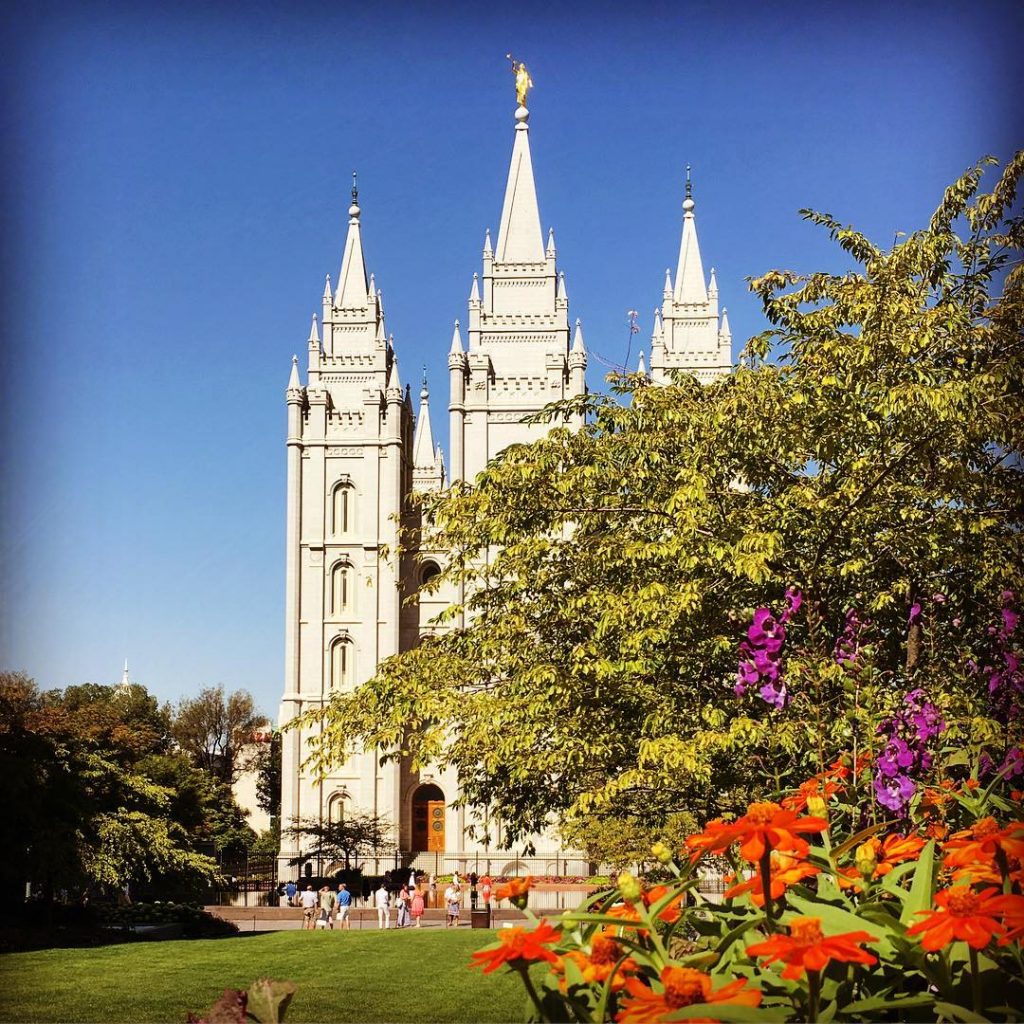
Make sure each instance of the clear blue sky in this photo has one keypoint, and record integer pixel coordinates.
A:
(176, 182)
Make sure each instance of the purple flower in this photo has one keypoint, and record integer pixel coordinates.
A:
(896, 756)
(1010, 620)
(794, 598)
(894, 793)
(1013, 763)
(776, 696)
(915, 613)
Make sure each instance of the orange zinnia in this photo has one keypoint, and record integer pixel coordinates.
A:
(1012, 910)
(517, 887)
(786, 871)
(670, 914)
(983, 842)
(765, 826)
(811, 789)
(887, 853)
(518, 944)
(806, 948)
(683, 986)
(962, 914)
(602, 963)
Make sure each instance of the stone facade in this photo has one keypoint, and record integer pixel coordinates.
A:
(356, 451)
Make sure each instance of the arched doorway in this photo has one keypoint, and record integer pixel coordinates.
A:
(428, 819)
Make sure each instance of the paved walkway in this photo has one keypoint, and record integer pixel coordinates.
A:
(278, 919)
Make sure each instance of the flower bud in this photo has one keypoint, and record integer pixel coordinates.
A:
(817, 806)
(662, 852)
(866, 858)
(629, 886)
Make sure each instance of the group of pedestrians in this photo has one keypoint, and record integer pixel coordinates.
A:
(409, 907)
(326, 908)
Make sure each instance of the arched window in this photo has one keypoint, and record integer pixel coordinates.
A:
(341, 664)
(341, 592)
(428, 572)
(342, 509)
(336, 808)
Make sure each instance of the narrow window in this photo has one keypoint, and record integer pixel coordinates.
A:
(341, 587)
(341, 509)
(341, 664)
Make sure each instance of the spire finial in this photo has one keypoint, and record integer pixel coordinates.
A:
(353, 210)
(424, 393)
(688, 203)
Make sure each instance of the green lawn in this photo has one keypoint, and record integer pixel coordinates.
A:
(415, 976)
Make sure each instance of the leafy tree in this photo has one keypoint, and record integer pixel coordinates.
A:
(216, 731)
(268, 776)
(82, 814)
(609, 573)
(621, 842)
(346, 840)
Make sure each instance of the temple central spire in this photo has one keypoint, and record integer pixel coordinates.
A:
(519, 236)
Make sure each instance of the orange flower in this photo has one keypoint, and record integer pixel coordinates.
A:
(786, 871)
(887, 853)
(518, 944)
(1012, 910)
(602, 963)
(682, 986)
(806, 948)
(963, 914)
(511, 890)
(765, 826)
(671, 913)
(983, 842)
(817, 788)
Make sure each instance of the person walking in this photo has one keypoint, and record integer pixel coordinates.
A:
(485, 891)
(308, 902)
(402, 903)
(290, 890)
(344, 904)
(383, 903)
(417, 907)
(327, 902)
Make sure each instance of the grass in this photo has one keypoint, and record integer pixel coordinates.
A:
(415, 976)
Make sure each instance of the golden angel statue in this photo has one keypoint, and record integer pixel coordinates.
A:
(523, 81)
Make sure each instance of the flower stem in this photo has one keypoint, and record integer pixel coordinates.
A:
(814, 994)
(524, 973)
(975, 980)
(765, 865)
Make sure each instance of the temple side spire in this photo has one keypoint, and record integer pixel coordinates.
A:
(423, 454)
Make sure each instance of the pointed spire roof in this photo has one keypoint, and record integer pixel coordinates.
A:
(577, 341)
(551, 243)
(562, 293)
(327, 288)
(474, 292)
(724, 329)
(352, 281)
(456, 348)
(641, 366)
(713, 285)
(488, 248)
(371, 292)
(690, 272)
(519, 236)
(314, 332)
(656, 332)
(394, 382)
(668, 283)
(423, 456)
(293, 380)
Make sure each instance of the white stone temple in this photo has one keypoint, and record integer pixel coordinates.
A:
(357, 450)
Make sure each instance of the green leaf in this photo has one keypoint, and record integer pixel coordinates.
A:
(922, 887)
(727, 1012)
(885, 1003)
(958, 1013)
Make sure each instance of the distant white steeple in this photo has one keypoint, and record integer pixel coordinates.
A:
(689, 273)
(456, 346)
(125, 685)
(423, 444)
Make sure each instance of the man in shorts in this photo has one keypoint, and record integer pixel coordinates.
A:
(307, 899)
(344, 906)
(326, 900)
